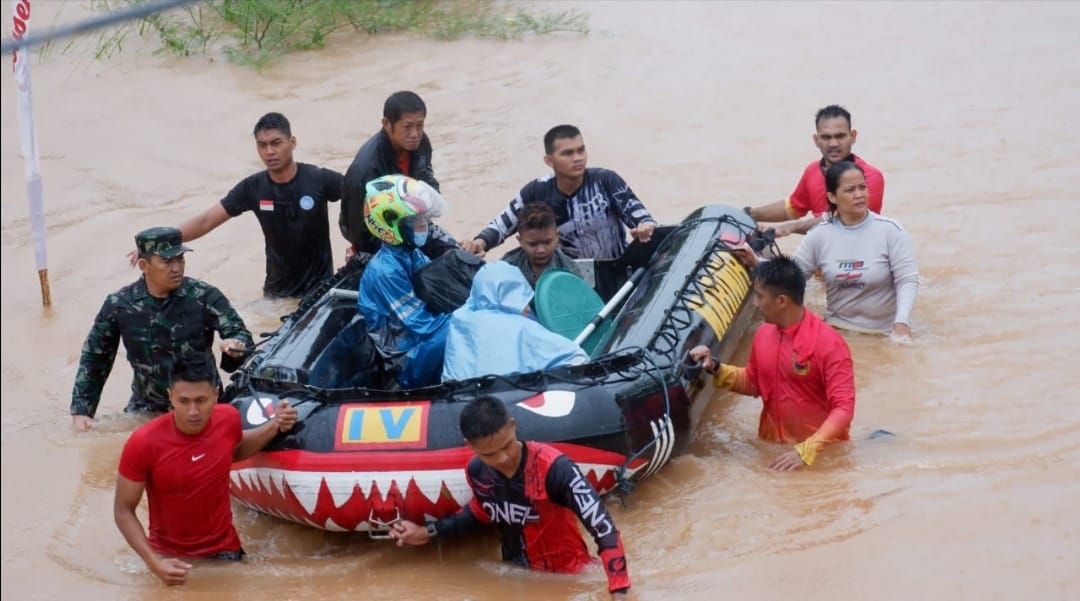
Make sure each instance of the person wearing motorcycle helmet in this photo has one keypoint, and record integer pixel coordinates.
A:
(411, 339)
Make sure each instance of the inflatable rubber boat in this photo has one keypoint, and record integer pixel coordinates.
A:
(365, 452)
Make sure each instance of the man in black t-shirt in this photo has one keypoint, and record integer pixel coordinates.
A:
(593, 207)
(289, 199)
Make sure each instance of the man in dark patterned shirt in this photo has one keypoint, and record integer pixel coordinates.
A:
(592, 206)
(160, 317)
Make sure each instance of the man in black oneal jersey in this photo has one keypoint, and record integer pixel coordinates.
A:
(593, 207)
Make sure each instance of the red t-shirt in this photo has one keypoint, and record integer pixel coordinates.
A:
(403, 161)
(805, 377)
(810, 195)
(187, 482)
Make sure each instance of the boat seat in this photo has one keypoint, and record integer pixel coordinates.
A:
(565, 304)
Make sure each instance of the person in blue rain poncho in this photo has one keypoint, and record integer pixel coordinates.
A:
(491, 334)
(397, 210)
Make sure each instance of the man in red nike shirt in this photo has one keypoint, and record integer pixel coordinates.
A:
(534, 494)
(182, 461)
(799, 366)
(801, 211)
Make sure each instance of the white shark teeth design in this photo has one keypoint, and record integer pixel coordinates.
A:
(333, 526)
(266, 480)
(341, 489)
(305, 486)
(430, 485)
(343, 486)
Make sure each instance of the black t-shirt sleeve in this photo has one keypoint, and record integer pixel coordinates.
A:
(240, 198)
(332, 184)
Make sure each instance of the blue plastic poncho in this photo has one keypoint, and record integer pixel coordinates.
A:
(399, 322)
(489, 335)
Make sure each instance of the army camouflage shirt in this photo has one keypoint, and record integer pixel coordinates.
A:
(154, 331)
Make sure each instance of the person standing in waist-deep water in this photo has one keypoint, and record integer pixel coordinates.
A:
(182, 461)
(538, 239)
(289, 199)
(160, 317)
(799, 366)
(592, 206)
(866, 261)
(399, 147)
(534, 495)
(807, 205)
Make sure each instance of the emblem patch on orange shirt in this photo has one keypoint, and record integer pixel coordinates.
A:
(800, 369)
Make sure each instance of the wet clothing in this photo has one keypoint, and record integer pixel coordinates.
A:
(295, 225)
(871, 277)
(375, 159)
(155, 332)
(489, 335)
(519, 259)
(592, 221)
(408, 335)
(537, 512)
(810, 195)
(805, 378)
(187, 483)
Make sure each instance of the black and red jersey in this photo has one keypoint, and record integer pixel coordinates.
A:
(536, 512)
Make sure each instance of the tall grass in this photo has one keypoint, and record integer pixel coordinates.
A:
(256, 32)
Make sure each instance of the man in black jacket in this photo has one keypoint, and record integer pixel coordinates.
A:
(401, 146)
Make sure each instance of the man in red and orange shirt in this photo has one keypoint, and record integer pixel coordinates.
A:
(799, 366)
(806, 205)
(182, 461)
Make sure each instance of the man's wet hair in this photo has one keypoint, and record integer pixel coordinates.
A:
(273, 121)
(402, 102)
(781, 275)
(535, 216)
(483, 417)
(559, 132)
(832, 178)
(194, 367)
(832, 111)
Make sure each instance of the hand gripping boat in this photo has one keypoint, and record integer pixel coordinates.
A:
(364, 454)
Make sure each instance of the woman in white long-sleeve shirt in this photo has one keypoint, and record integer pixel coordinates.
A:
(866, 260)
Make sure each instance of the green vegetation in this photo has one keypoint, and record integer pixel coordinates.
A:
(256, 32)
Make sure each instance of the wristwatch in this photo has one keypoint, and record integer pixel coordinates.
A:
(432, 532)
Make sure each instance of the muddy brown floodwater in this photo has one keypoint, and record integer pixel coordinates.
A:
(968, 108)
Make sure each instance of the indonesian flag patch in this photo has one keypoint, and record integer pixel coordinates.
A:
(266, 205)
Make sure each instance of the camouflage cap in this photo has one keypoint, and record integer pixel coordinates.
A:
(164, 242)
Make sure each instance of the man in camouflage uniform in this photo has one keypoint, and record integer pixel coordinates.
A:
(160, 317)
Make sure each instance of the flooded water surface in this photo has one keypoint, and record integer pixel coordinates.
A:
(969, 109)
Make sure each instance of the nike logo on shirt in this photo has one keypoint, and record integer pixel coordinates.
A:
(197, 457)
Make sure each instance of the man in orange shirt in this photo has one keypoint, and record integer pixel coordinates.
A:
(799, 366)
(801, 211)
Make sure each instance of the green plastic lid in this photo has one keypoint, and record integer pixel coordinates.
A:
(565, 304)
